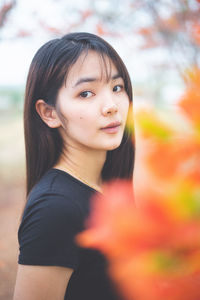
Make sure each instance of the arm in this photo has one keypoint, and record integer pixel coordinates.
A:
(41, 282)
(48, 254)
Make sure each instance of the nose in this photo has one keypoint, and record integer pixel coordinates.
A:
(109, 108)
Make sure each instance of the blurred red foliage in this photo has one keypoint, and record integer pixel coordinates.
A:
(151, 238)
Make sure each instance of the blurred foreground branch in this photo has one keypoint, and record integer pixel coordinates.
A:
(5, 10)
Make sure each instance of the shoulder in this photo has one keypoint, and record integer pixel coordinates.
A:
(51, 205)
(51, 211)
(50, 222)
(53, 182)
(53, 194)
(57, 201)
(59, 182)
(58, 188)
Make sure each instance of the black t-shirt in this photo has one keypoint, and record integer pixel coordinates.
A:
(55, 212)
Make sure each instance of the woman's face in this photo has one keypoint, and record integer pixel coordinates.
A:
(87, 103)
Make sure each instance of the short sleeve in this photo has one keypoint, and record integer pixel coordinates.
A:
(47, 231)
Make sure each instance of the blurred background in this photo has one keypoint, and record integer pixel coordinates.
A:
(158, 41)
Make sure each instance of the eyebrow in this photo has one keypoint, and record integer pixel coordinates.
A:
(92, 79)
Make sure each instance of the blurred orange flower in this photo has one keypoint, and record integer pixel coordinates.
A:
(152, 237)
(190, 101)
(152, 249)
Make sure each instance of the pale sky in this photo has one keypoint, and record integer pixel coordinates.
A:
(16, 53)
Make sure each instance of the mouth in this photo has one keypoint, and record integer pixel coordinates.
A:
(112, 127)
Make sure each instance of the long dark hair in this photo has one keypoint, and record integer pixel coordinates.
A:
(47, 73)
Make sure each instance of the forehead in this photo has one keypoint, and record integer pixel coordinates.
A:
(92, 64)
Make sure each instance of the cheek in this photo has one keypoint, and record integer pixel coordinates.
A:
(80, 120)
(73, 114)
(86, 116)
(124, 106)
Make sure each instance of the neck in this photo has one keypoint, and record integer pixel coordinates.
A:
(86, 165)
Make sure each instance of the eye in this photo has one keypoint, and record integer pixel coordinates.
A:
(86, 94)
(118, 88)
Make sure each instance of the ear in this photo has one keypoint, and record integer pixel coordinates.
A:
(47, 113)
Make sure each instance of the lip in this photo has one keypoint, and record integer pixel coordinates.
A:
(112, 127)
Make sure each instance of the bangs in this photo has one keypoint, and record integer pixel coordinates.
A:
(106, 66)
(105, 63)
(67, 51)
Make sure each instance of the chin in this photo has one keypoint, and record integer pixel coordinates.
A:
(113, 146)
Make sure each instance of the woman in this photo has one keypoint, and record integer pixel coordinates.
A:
(76, 103)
